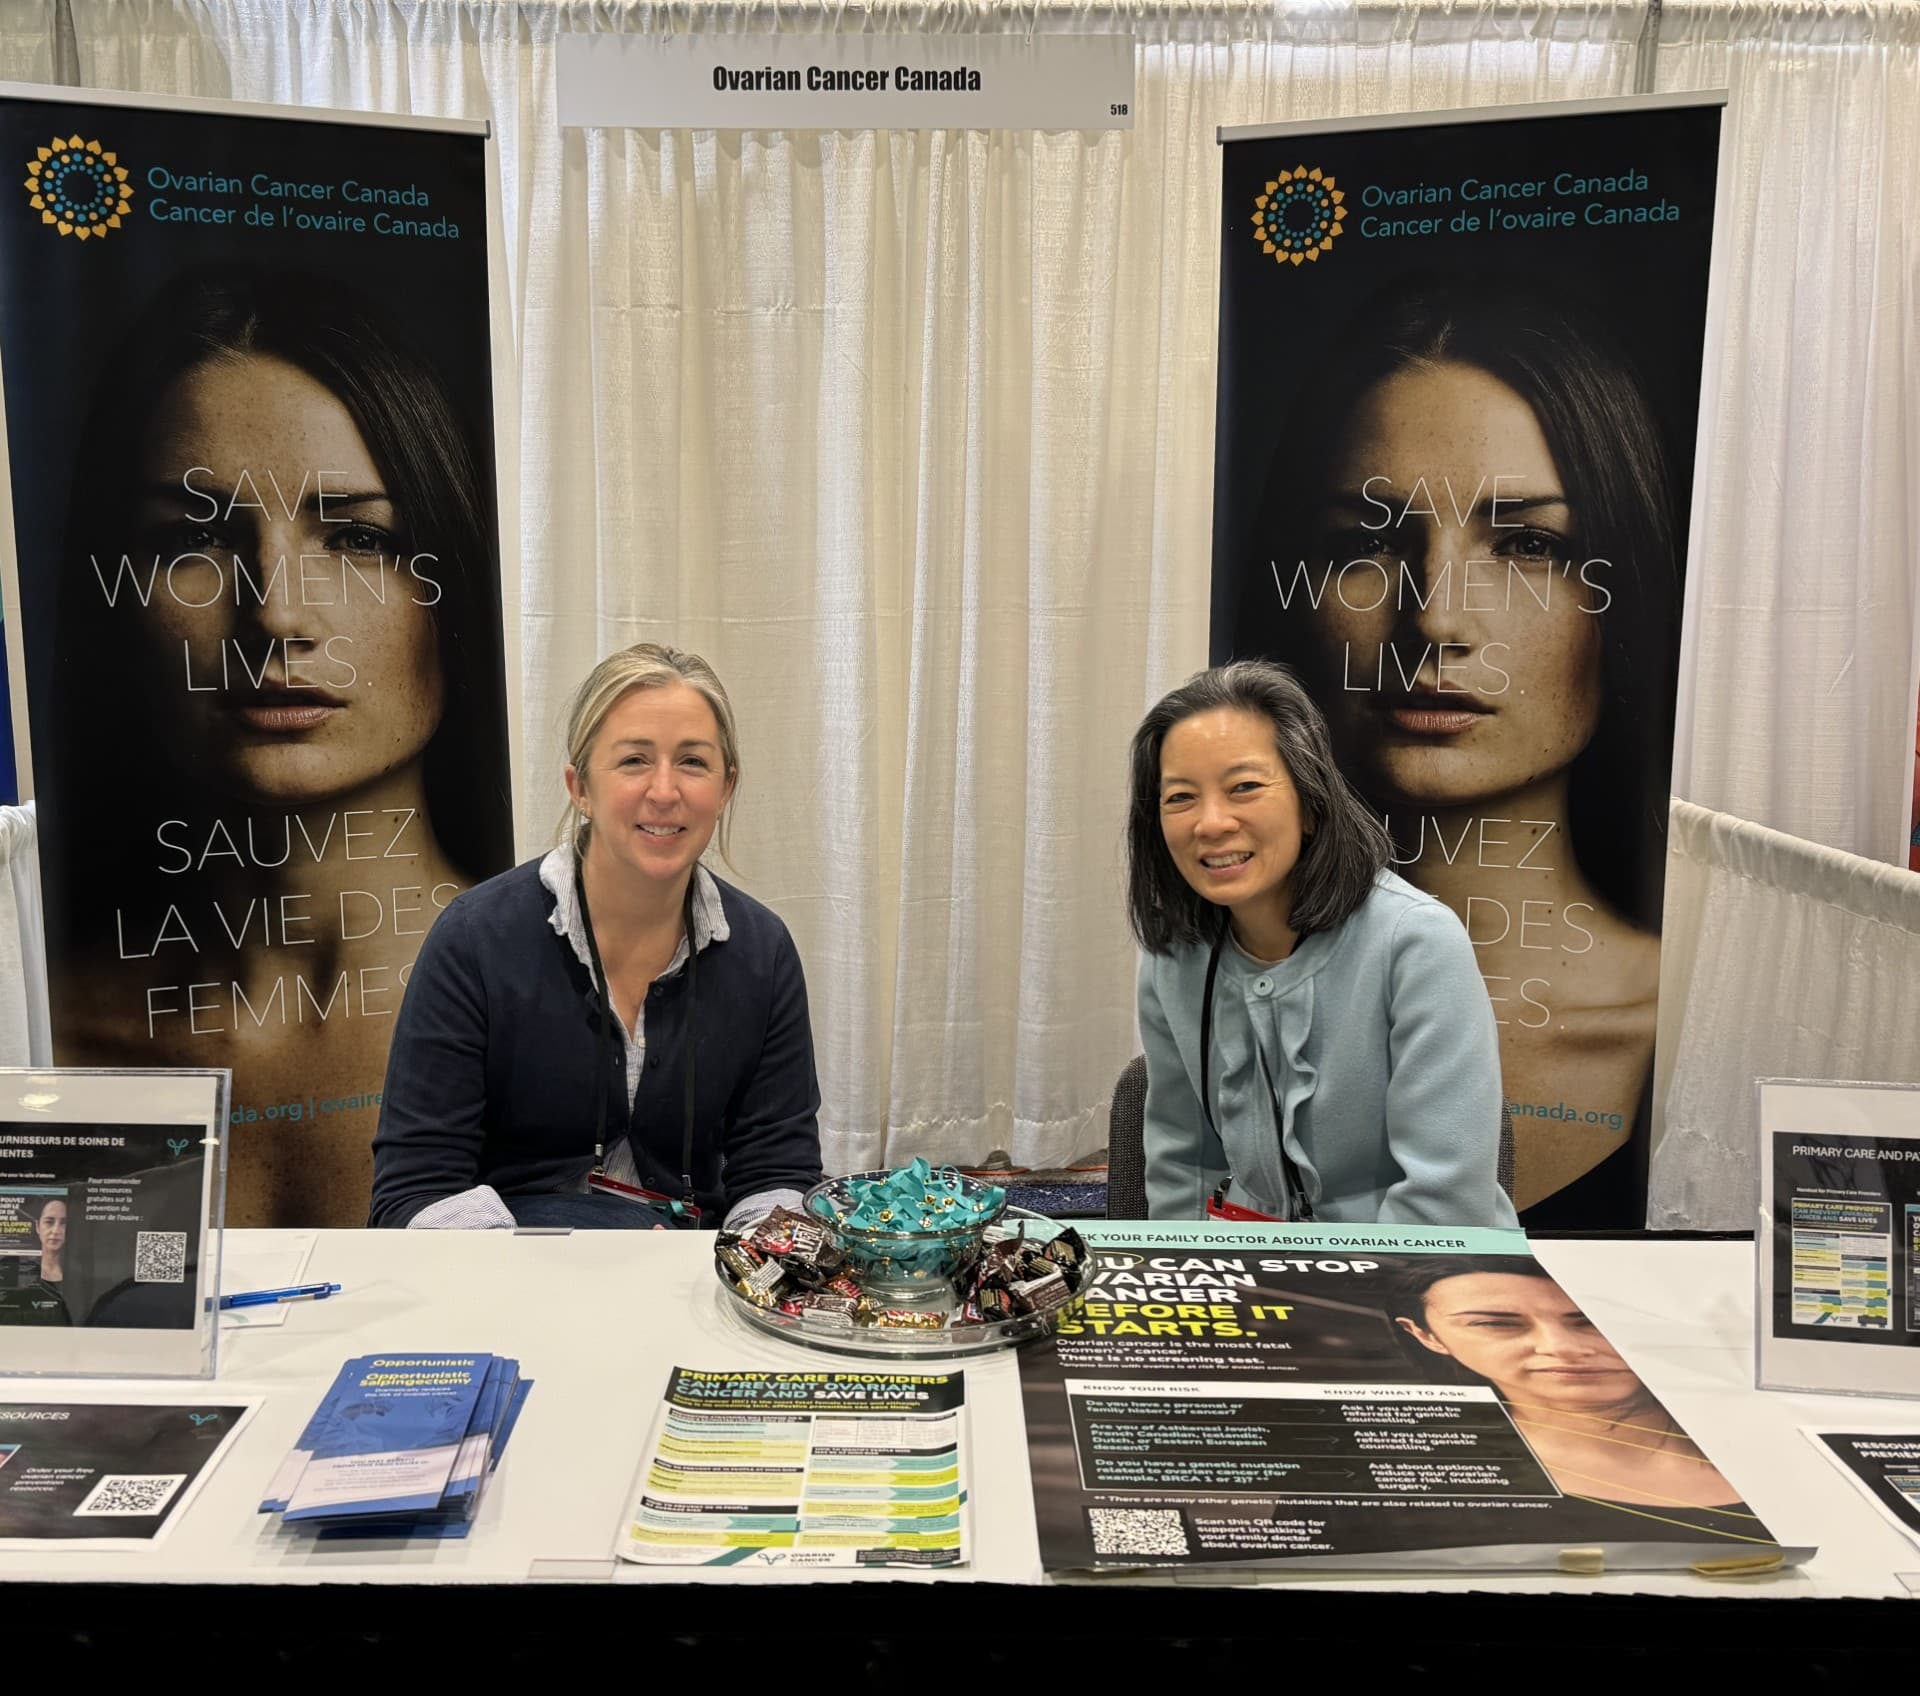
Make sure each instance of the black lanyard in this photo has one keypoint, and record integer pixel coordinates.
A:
(608, 1016)
(1297, 1202)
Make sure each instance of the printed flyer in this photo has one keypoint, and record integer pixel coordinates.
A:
(255, 543)
(816, 1469)
(1846, 1238)
(101, 1225)
(1369, 1398)
(1459, 382)
(107, 1475)
(1884, 1466)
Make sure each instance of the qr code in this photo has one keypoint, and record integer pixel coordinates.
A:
(1138, 1531)
(159, 1257)
(129, 1495)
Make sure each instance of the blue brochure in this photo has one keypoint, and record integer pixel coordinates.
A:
(440, 1526)
(389, 1436)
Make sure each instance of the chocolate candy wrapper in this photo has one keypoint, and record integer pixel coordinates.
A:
(993, 1306)
(821, 1302)
(969, 1314)
(739, 1261)
(831, 1323)
(815, 1256)
(909, 1319)
(1066, 1250)
(828, 1318)
(1041, 1295)
(774, 1234)
(765, 1285)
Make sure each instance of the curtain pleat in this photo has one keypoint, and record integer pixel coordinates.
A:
(1756, 909)
(1801, 651)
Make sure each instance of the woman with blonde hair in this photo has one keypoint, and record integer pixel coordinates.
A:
(611, 1035)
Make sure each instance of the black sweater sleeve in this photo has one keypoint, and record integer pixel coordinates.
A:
(432, 1110)
(773, 1130)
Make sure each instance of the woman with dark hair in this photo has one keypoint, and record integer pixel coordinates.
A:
(50, 1297)
(1316, 1035)
(1597, 1429)
(277, 612)
(1468, 547)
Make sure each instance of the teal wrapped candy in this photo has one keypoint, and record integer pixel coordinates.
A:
(909, 1229)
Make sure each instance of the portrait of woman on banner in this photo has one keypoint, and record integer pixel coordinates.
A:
(278, 741)
(1587, 1415)
(1466, 543)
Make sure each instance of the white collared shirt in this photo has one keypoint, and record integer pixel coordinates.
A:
(481, 1208)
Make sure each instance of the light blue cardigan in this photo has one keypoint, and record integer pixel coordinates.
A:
(1381, 1044)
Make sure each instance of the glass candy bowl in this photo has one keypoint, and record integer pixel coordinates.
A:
(908, 1264)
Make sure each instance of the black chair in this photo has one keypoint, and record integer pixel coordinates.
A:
(1126, 1152)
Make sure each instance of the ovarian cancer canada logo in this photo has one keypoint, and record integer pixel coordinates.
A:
(1298, 215)
(78, 187)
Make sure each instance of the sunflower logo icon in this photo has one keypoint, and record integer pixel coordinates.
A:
(1298, 216)
(78, 187)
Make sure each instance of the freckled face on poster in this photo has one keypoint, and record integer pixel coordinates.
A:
(1466, 540)
(264, 555)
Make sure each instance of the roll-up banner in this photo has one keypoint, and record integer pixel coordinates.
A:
(1460, 361)
(252, 593)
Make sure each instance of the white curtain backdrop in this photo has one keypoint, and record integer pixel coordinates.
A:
(1752, 910)
(911, 434)
(25, 1023)
(1801, 656)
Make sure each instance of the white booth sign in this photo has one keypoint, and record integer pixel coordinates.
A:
(847, 82)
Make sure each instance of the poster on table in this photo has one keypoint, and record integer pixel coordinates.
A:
(1459, 377)
(107, 1475)
(1367, 1398)
(1884, 1466)
(1839, 1298)
(110, 1210)
(804, 1469)
(253, 601)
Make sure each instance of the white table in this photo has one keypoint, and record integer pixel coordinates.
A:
(597, 1320)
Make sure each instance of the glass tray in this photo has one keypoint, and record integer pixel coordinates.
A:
(875, 1342)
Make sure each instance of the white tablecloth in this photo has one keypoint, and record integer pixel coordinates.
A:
(597, 1320)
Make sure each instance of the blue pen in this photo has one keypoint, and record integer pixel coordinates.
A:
(262, 1298)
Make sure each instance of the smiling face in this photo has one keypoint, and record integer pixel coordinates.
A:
(1527, 1338)
(288, 636)
(654, 784)
(1230, 814)
(1460, 616)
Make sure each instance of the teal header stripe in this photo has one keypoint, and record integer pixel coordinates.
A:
(1331, 1242)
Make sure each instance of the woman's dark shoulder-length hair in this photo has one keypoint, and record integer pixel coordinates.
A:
(1406, 1298)
(1339, 859)
(439, 475)
(1599, 423)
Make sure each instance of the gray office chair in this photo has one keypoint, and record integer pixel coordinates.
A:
(1126, 1153)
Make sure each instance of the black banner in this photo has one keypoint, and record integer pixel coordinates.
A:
(1459, 380)
(250, 444)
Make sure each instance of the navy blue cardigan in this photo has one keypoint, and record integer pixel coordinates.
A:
(490, 1078)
